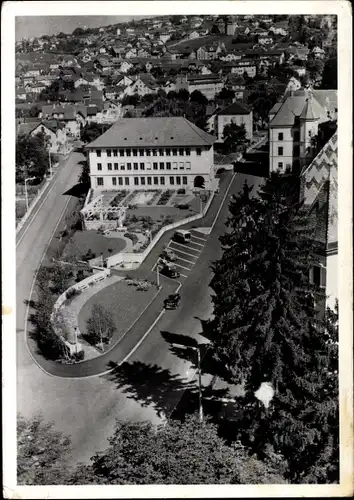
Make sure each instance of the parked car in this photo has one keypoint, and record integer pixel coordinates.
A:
(182, 236)
(172, 301)
(170, 271)
(168, 254)
(182, 206)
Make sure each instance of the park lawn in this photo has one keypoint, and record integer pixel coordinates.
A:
(82, 241)
(160, 212)
(124, 302)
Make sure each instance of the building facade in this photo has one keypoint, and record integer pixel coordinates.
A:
(152, 153)
(236, 113)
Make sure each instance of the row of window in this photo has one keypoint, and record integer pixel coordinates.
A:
(141, 166)
(149, 152)
(143, 181)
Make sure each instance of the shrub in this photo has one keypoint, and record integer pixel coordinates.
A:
(79, 356)
(181, 191)
(133, 237)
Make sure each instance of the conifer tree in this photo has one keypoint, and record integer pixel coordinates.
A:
(267, 329)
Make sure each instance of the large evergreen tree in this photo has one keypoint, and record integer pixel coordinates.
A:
(266, 325)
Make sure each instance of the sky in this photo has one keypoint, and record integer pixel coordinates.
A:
(35, 26)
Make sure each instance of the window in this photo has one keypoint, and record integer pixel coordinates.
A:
(280, 151)
(174, 165)
(135, 152)
(174, 152)
(141, 152)
(109, 166)
(98, 153)
(149, 181)
(115, 152)
(148, 152)
(199, 151)
(126, 180)
(172, 180)
(155, 165)
(128, 152)
(114, 181)
(318, 276)
(161, 152)
(109, 152)
(99, 166)
(142, 166)
(162, 181)
(116, 166)
(168, 152)
(120, 181)
(178, 180)
(121, 152)
(148, 166)
(188, 165)
(181, 165)
(129, 166)
(154, 152)
(184, 180)
(99, 181)
(136, 166)
(122, 166)
(136, 181)
(181, 151)
(168, 165)
(188, 151)
(280, 136)
(142, 181)
(280, 165)
(156, 180)
(162, 165)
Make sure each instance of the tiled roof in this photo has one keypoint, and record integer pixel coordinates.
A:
(236, 108)
(169, 131)
(319, 183)
(293, 105)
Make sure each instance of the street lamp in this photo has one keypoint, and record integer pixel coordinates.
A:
(26, 194)
(50, 165)
(199, 378)
(75, 334)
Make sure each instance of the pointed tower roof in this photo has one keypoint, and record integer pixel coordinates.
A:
(308, 113)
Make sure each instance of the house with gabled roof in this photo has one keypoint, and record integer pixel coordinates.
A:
(53, 129)
(237, 113)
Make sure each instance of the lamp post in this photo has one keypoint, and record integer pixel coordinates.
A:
(201, 416)
(26, 194)
(50, 165)
(75, 333)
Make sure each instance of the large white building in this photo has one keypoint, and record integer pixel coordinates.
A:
(152, 153)
(236, 113)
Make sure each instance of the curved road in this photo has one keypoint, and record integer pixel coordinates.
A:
(86, 408)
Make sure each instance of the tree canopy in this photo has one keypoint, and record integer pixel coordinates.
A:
(178, 452)
(92, 130)
(267, 327)
(32, 156)
(329, 75)
(235, 138)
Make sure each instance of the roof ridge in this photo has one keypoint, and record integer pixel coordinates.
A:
(196, 129)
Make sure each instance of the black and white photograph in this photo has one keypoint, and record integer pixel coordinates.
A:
(177, 290)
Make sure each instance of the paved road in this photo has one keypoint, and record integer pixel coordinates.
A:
(86, 408)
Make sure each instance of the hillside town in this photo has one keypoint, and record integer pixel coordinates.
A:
(179, 176)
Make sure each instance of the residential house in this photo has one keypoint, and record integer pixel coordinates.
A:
(53, 129)
(37, 88)
(238, 85)
(152, 153)
(265, 40)
(193, 35)
(131, 53)
(73, 117)
(124, 80)
(242, 66)
(21, 93)
(208, 52)
(236, 113)
(125, 67)
(280, 28)
(230, 56)
(299, 70)
(298, 53)
(30, 73)
(143, 85)
(209, 85)
(164, 36)
(294, 122)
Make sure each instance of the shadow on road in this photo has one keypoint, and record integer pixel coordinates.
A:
(168, 394)
(78, 191)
